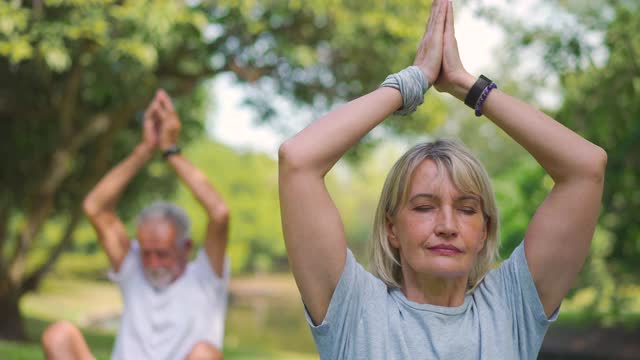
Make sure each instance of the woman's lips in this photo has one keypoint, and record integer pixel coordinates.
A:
(443, 249)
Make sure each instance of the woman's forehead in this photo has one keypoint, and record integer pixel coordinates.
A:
(429, 180)
(429, 176)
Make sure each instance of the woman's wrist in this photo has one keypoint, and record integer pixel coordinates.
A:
(461, 86)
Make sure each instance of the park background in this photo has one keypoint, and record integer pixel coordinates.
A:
(75, 77)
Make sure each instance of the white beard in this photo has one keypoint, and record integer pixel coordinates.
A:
(159, 278)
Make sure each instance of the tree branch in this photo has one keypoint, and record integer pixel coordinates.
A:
(42, 202)
(249, 74)
(69, 101)
(32, 280)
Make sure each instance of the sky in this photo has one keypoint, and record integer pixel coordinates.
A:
(232, 123)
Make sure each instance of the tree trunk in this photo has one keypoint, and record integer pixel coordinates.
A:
(11, 320)
(32, 281)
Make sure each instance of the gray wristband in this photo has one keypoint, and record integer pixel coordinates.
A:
(412, 85)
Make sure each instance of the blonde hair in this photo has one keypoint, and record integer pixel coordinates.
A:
(468, 175)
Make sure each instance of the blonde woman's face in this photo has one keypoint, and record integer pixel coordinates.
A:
(438, 230)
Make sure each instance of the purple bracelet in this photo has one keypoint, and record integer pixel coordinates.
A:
(483, 97)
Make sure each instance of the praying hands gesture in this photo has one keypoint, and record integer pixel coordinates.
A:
(438, 55)
(161, 123)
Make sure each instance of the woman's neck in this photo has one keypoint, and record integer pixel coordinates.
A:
(426, 289)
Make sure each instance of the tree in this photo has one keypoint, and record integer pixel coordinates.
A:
(76, 76)
(592, 49)
(602, 102)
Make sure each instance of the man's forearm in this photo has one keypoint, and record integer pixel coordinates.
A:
(105, 194)
(199, 185)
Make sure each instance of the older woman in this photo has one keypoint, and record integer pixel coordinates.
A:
(433, 292)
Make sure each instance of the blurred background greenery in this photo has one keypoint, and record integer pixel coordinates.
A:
(75, 77)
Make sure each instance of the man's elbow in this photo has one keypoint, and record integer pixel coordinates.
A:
(89, 207)
(219, 214)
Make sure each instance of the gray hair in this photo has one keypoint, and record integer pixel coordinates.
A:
(168, 211)
(466, 172)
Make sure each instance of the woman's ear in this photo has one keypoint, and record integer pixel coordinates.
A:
(391, 232)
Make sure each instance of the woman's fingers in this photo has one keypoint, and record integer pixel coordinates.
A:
(435, 26)
(429, 54)
(449, 29)
(436, 17)
(451, 55)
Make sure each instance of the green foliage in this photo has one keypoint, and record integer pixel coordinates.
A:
(593, 49)
(323, 51)
(248, 182)
(75, 77)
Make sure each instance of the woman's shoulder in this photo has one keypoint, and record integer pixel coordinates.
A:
(505, 277)
(357, 275)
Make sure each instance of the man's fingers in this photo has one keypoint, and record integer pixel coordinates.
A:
(147, 124)
(162, 113)
(165, 100)
(150, 113)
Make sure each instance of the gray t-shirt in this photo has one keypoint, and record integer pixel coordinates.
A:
(502, 318)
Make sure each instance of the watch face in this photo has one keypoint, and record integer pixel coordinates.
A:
(174, 149)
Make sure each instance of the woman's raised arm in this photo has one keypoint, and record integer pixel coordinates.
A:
(558, 238)
(313, 231)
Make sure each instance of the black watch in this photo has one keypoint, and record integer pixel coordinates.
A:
(172, 150)
(476, 91)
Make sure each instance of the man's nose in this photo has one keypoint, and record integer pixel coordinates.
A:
(153, 261)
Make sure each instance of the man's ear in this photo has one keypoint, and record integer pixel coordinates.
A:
(391, 232)
(188, 245)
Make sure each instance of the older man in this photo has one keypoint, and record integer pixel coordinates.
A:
(173, 308)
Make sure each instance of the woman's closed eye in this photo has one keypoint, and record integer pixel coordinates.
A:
(468, 210)
(424, 208)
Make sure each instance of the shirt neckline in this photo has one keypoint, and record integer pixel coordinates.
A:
(398, 295)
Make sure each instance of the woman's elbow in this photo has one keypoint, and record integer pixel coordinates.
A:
(598, 164)
(590, 166)
(289, 159)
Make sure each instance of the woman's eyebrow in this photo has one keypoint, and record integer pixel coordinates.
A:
(424, 195)
(468, 197)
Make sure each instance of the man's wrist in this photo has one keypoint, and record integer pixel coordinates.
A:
(144, 150)
(171, 150)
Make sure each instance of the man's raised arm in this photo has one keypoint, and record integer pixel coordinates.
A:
(217, 211)
(100, 204)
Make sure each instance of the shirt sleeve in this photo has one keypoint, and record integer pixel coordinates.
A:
(207, 277)
(130, 265)
(332, 335)
(523, 301)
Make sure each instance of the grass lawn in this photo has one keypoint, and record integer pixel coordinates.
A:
(264, 321)
(259, 325)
